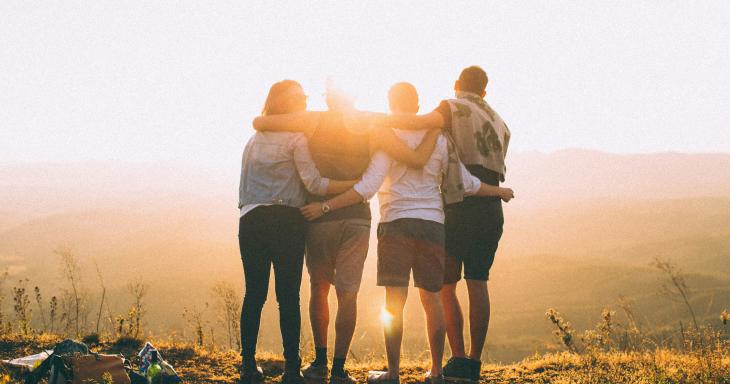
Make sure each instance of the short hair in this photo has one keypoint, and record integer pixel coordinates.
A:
(403, 97)
(473, 79)
(273, 104)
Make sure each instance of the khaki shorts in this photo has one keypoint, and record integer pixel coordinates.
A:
(336, 252)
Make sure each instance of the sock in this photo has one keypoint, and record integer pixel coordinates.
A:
(338, 366)
(320, 356)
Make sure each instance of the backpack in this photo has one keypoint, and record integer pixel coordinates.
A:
(91, 368)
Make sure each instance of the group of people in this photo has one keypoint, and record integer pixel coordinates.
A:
(306, 180)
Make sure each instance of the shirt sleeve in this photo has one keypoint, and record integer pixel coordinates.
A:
(374, 176)
(308, 172)
(445, 110)
(471, 183)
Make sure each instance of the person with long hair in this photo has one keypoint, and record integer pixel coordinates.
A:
(276, 169)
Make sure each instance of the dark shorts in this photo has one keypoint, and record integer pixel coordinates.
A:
(411, 244)
(336, 252)
(473, 230)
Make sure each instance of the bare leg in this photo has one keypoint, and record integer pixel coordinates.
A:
(454, 320)
(345, 322)
(479, 311)
(395, 300)
(319, 312)
(436, 328)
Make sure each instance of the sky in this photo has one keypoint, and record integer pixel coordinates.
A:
(181, 80)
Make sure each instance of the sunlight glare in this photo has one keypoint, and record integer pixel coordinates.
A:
(385, 317)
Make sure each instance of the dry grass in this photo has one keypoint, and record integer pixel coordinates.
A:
(199, 365)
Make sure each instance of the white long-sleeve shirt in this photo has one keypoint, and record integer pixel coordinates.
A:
(405, 192)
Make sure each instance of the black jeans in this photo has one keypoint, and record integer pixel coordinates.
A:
(272, 235)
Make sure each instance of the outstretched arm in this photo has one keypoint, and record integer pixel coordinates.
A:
(506, 194)
(473, 186)
(385, 139)
(381, 137)
(362, 191)
(305, 122)
(314, 211)
(364, 120)
(431, 120)
(339, 186)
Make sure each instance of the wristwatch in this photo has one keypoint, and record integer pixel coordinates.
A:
(325, 207)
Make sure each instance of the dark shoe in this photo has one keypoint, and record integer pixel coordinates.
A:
(341, 378)
(292, 372)
(251, 375)
(292, 377)
(476, 370)
(459, 370)
(315, 372)
(381, 377)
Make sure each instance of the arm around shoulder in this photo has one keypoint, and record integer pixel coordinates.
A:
(387, 141)
(305, 122)
(431, 120)
(371, 181)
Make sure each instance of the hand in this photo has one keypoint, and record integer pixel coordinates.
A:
(312, 211)
(506, 194)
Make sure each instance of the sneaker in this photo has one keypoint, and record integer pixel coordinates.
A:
(342, 378)
(429, 379)
(381, 377)
(315, 371)
(459, 370)
(292, 377)
(251, 376)
(476, 370)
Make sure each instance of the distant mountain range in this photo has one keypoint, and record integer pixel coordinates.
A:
(581, 232)
(667, 194)
(574, 175)
(538, 179)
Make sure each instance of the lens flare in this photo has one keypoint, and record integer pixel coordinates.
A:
(385, 317)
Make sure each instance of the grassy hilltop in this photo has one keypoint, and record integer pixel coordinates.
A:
(202, 365)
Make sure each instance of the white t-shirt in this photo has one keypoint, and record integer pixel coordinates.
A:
(405, 192)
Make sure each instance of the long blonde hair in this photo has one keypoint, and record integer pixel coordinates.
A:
(273, 104)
